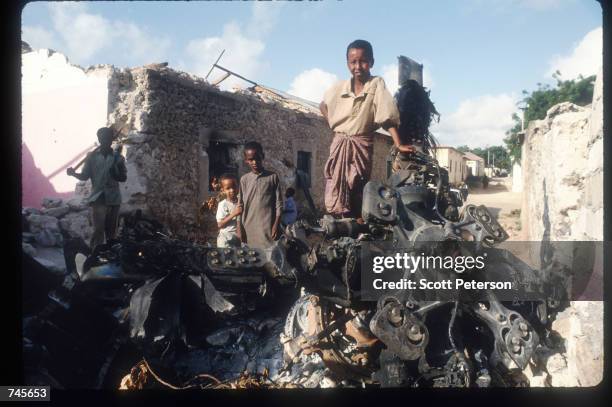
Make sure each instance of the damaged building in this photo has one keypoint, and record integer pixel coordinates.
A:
(178, 132)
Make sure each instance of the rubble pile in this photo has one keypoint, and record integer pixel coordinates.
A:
(45, 230)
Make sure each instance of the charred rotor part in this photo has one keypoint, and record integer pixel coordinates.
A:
(231, 258)
(337, 228)
(481, 225)
(379, 204)
(515, 339)
(401, 332)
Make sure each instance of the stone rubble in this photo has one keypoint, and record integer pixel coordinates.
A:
(44, 230)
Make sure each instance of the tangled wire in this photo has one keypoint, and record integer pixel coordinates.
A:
(139, 375)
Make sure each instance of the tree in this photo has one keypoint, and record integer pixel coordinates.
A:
(578, 91)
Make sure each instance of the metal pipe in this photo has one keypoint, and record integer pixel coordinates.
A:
(215, 64)
(235, 74)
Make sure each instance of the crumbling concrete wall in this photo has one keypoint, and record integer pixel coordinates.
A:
(62, 107)
(562, 158)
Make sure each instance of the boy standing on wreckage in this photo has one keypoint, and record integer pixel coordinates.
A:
(106, 168)
(354, 109)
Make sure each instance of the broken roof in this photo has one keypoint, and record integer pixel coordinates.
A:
(472, 157)
(290, 101)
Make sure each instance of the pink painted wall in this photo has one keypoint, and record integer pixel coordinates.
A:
(62, 108)
(35, 185)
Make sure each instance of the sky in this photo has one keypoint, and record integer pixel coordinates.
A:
(478, 55)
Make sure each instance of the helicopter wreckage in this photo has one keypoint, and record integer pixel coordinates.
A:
(148, 306)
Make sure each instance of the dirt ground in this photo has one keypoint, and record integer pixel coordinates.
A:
(504, 204)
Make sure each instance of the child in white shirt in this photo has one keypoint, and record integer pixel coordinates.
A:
(228, 211)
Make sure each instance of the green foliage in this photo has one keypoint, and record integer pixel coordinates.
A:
(578, 91)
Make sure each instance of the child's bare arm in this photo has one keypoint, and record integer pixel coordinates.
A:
(404, 148)
(236, 212)
(275, 227)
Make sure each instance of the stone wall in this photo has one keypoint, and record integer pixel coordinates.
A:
(562, 159)
(169, 112)
(562, 166)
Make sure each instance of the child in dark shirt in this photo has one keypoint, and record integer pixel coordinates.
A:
(290, 212)
(261, 200)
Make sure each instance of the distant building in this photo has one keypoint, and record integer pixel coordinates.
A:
(452, 159)
(475, 164)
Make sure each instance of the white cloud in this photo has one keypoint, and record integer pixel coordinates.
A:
(477, 121)
(242, 55)
(243, 48)
(389, 74)
(140, 44)
(263, 18)
(585, 58)
(312, 84)
(38, 37)
(83, 36)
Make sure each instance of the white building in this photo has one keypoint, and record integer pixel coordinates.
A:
(452, 159)
(475, 164)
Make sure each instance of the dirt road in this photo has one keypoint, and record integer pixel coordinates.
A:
(504, 204)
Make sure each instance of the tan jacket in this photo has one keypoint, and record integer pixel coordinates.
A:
(357, 114)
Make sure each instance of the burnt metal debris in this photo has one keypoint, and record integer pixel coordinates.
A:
(150, 310)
